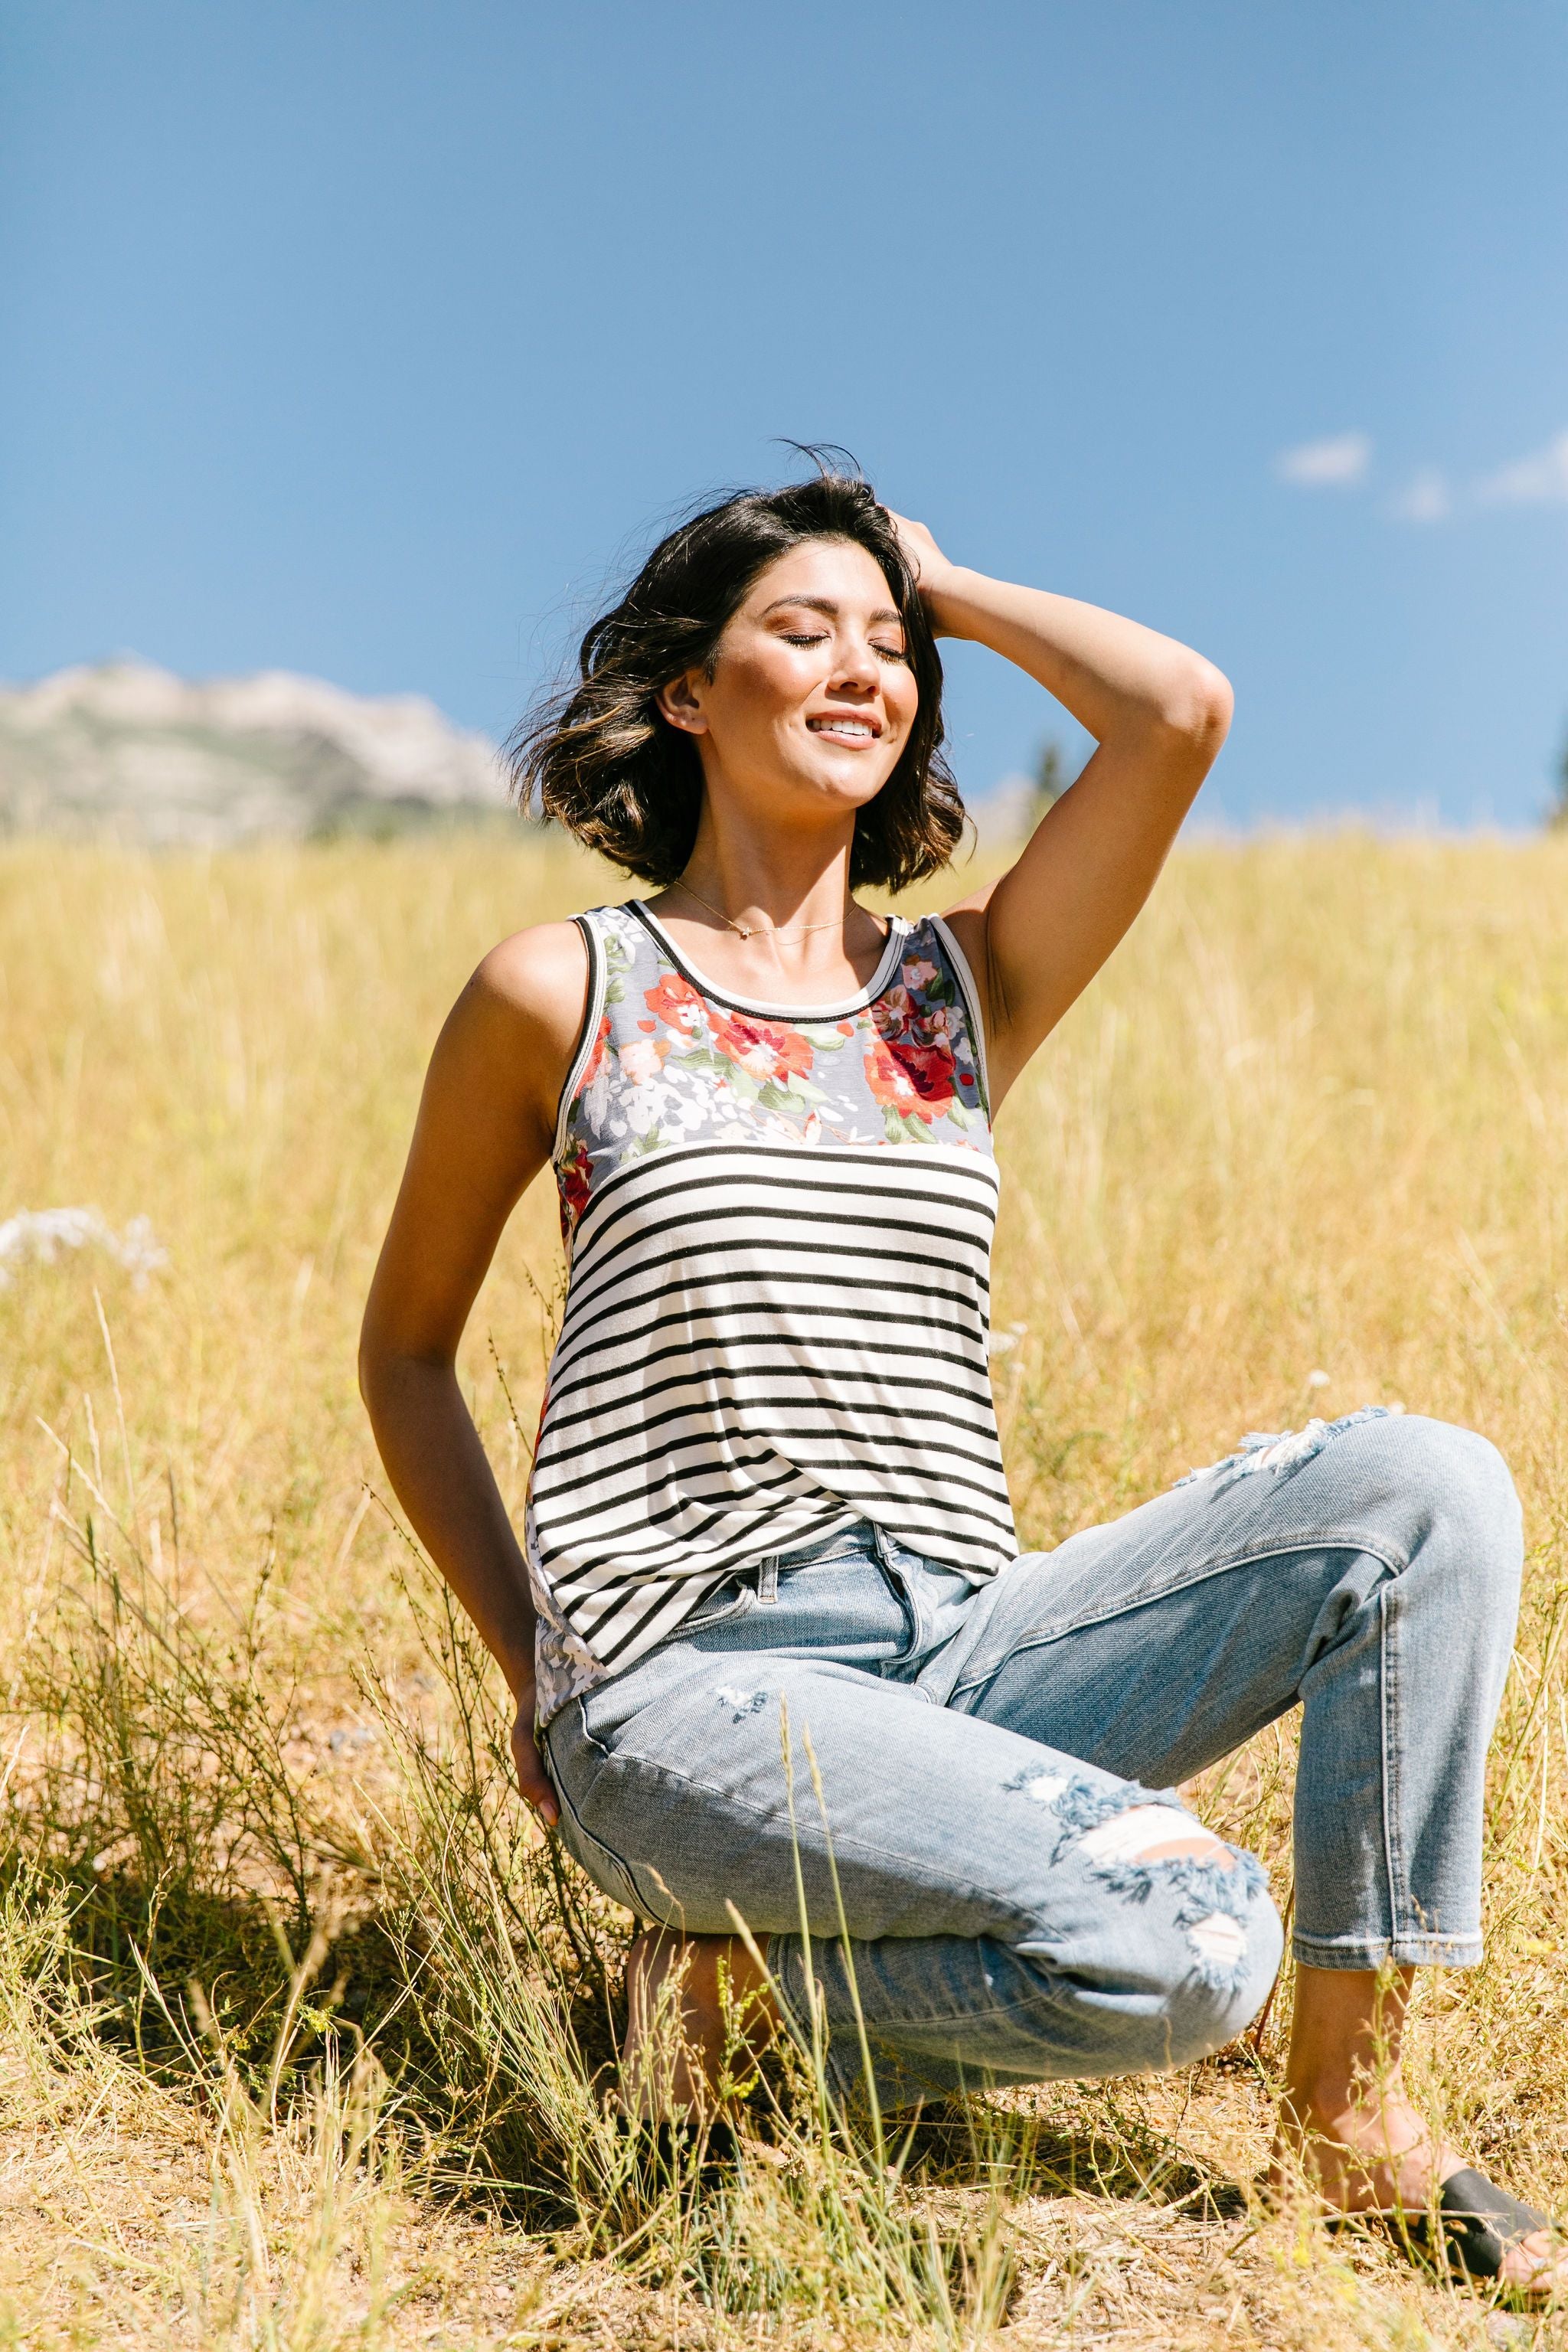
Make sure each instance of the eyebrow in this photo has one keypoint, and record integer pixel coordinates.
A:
(827, 605)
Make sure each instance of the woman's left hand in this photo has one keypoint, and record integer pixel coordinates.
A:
(929, 564)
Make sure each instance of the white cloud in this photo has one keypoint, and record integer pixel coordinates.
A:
(1538, 480)
(1330, 464)
(1427, 498)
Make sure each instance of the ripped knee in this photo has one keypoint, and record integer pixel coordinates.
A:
(1280, 1452)
(1139, 1845)
(1154, 1833)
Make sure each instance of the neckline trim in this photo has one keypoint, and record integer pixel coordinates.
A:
(899, 928)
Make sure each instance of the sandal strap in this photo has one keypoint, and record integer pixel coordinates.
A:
(1477, 2222)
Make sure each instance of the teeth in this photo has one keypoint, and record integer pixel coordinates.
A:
(840, 727)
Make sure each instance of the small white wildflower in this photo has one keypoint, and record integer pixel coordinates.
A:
(1317, 1379)
(41, 1235)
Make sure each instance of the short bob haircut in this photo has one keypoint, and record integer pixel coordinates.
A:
(600, 759)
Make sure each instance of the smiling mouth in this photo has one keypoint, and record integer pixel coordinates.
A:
(842, 728)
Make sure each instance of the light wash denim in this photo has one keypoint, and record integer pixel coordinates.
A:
(995, 1761)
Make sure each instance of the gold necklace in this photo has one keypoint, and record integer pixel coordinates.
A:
(772, 932)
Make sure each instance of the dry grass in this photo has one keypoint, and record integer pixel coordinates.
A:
(297, 2024)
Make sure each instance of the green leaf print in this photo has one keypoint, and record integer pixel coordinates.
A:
(703, 1062)
(794, 1097)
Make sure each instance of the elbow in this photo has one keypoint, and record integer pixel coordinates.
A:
(1195, 710)
(389, 1367)
(374, 1362)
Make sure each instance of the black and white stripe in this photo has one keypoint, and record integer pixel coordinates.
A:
(764, 1343)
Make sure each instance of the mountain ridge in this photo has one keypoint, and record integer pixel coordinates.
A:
(130, 752)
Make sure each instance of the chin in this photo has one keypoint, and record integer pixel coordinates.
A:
(855, 789)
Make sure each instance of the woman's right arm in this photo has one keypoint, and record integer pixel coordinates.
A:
(485, 1130)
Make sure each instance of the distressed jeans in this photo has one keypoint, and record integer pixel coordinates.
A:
(943, 1805)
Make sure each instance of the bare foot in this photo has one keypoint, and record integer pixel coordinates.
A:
(698, 2008)
(1374, 2156)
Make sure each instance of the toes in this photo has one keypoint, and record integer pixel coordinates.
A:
(1538, 2263)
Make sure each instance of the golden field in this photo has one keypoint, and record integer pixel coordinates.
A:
(298, 2024)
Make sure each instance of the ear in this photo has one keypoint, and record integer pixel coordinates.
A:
(681, 703)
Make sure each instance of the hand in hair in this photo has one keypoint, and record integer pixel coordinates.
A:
(929, 565)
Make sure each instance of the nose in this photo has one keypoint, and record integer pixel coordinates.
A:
(856, 669)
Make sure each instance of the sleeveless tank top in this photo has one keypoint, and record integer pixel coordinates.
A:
(778, 1225)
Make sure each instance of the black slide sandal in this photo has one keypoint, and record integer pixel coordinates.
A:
(1475, 2226)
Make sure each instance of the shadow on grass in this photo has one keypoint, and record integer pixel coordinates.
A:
(978, 2143)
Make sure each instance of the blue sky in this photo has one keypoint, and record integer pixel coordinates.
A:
(370, 340)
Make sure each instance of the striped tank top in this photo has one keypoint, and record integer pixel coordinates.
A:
(778, 1225)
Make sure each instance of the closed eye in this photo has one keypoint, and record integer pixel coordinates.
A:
(820, 636)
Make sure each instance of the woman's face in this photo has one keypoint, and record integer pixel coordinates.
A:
(812, 697)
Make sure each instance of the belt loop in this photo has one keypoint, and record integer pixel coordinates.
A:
(768, 1582)
(880, 1544)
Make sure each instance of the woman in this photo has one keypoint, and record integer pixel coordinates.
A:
(769, 1614)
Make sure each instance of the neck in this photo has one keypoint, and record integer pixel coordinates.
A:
(808, 939)
(771, 882)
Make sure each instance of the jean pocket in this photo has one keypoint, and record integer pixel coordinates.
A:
(729, 1601)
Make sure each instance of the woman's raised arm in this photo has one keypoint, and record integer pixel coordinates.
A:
(483, 1133)
(1158, 712)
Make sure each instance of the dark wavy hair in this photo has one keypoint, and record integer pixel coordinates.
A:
(600, 758)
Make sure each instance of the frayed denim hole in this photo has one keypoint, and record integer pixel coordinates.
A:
(742, 1703)
(1037, 1783)
(1206, 1891)
(1219, 1949)
(1211, 1895)
(1080, 1803)
(1281, 1451)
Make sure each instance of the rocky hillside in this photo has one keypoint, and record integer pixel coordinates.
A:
(130, 752)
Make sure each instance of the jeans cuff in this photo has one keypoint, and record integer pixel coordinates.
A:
(1415, 1951)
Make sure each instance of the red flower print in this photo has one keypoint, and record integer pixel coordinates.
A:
(573, 1177)
(763, 1049)
(931, 1070)
(675, 1001)
(892, 1084)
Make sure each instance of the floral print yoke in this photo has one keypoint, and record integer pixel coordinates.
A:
(673, 1061)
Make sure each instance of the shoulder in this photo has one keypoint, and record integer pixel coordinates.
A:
(534, 976)
(513, 1032)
